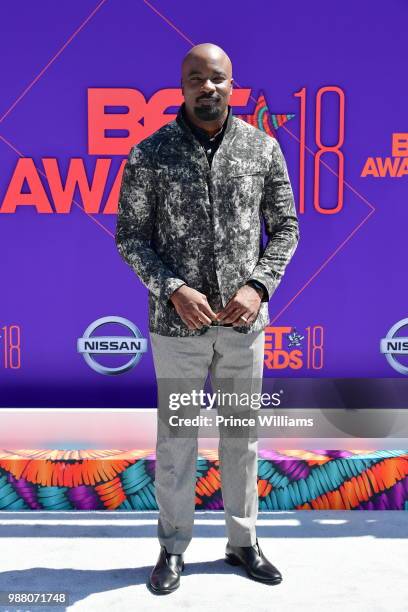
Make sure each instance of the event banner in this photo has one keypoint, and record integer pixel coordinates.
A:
(83, 82)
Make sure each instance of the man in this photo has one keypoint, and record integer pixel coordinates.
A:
(191, 205)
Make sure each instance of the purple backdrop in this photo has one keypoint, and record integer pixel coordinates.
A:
(61, 272)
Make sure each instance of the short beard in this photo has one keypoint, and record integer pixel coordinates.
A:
(208, 114)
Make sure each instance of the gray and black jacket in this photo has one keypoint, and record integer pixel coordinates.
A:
(182, 221)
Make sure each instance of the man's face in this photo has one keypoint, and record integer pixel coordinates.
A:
(206, 86)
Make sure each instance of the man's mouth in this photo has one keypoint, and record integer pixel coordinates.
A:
(208, 100)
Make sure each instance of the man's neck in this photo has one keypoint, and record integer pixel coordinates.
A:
(211, 127)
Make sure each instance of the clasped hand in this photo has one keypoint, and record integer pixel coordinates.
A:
(193, 308)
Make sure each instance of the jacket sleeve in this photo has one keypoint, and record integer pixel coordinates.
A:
(281, 224)
(135, 223)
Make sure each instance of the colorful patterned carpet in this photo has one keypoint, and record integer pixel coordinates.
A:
(124, 480)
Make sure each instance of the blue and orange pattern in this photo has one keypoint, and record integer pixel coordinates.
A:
(124, 480)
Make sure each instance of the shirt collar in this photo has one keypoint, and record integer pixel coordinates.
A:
(183, 120)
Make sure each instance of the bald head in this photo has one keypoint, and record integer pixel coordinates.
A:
(207, 51)
(206, 83)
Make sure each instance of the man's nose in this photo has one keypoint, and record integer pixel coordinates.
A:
(208, 86)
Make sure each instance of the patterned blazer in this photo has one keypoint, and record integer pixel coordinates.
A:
(181, 221)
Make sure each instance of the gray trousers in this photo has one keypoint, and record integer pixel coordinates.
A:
(234, 361)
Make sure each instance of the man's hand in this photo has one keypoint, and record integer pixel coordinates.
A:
(243, 307)
(193, 307)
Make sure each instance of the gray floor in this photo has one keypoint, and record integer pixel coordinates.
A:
(330, 560)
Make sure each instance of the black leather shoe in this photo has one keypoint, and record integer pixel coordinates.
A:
(254, 561)
(165, 576)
